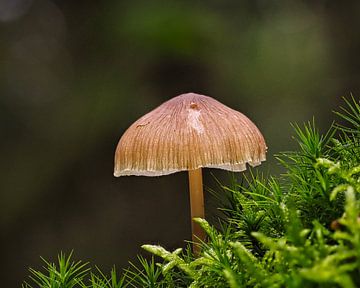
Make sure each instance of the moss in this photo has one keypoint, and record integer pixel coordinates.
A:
(300, 229)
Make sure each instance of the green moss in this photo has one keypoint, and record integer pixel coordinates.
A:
(300, 229)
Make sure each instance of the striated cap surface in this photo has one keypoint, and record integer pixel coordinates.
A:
(187, 132)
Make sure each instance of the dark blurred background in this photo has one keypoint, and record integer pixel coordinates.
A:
(75, 74)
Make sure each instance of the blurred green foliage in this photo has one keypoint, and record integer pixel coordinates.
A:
(75, 74)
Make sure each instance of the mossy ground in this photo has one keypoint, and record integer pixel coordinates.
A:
(300, 229)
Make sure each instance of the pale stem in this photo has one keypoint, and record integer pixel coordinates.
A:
(197, 206)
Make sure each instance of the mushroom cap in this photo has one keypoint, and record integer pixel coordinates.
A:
(188, 132)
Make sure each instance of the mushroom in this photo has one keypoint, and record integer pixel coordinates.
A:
(187, 133)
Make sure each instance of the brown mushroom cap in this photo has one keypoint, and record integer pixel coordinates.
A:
(188, 132)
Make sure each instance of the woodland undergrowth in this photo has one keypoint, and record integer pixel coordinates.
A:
(299, 229)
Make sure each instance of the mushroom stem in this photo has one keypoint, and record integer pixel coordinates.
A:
(197, 207)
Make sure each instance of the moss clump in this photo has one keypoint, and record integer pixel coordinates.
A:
(301, 229)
